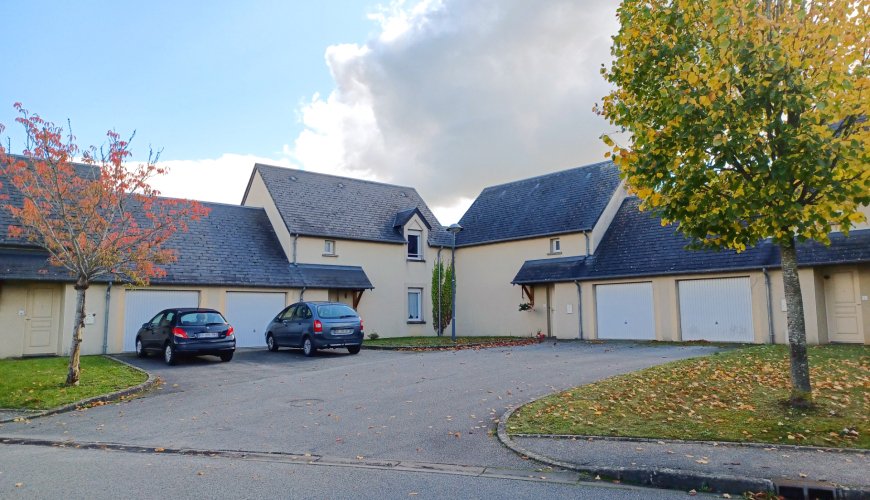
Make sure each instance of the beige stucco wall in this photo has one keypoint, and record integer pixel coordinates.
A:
(258, 196)
(606, 217)
(487, 303)
(666, 304)
(384, 309)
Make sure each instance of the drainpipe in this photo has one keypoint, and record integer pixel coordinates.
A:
(586, 238)
(438, 328)
(579, 307)
(295, 238)
(302, 293)
(106, 319)
(769, 306)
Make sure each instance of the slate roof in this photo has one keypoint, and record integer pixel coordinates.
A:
(563, 202)
(404, 216)
(232, 246)
(637, 245)
(329, 276)
(321, 205)
(9, 195)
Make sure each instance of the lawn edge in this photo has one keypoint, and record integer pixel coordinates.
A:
(150, 382)
(744, 444)
(663, 477)
(658, 477)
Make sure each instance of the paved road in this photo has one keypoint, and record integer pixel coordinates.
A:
(436, 407)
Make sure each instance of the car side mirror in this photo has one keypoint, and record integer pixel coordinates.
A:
(146, 325)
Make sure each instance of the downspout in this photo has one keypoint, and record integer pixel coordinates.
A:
(302, 293)
(438, 328)
(106, 319)
(579, 307)
(295, 238)
(770, 332)
(586, 238)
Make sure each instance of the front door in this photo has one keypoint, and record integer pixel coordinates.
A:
(42, 320)
(551, 294)
(843, 307)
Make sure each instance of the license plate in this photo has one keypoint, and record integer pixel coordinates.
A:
(208, 335)
(342, 331)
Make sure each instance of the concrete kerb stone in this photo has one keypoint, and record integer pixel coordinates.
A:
(149, 383)
(660, 477)
(733, 444)
(663, 477)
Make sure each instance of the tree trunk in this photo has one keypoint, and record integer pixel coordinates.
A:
(72, 376)
(801, 391)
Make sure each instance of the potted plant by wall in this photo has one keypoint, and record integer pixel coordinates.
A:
(525, 306)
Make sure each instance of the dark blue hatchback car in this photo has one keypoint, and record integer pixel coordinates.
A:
(316, 325)
(175, 332)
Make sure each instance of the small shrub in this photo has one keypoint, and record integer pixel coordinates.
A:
(373, 336)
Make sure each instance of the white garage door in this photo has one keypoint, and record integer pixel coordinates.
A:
(250, 313)
(141, 305)
(716, 309)
(625, 311)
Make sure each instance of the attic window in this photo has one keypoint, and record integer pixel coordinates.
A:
(329, 248)
(293, 178)
(555, 246)
(415, 249)
(403, 195)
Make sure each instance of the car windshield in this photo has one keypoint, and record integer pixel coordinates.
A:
(334, 311)
(201, 318)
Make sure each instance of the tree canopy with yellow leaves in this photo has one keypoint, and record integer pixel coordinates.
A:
(746, 120)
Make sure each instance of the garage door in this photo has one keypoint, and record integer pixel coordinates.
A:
(250, 312)
(141, 305)
(716, 309)
(625, 311)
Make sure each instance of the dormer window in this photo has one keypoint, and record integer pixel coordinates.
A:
(415, 244)
(555, 246)
(329, 248)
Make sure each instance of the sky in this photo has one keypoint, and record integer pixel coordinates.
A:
(446, 96)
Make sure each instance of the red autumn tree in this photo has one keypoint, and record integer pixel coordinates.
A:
(97, 217)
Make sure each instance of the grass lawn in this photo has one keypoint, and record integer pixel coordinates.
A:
(38, 383)
(730, 396)
(444, 341)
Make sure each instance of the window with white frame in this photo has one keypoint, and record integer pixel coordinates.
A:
(415, 304)
(555, 245)
(415, 247)
(328, 247)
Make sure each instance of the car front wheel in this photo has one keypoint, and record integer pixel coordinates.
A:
(270, 343)
(308, 348)
(140, 350)
(169, 354)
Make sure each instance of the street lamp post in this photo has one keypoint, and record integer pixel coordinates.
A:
(454, 229)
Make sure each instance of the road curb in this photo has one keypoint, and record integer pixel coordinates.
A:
(662, 477)
(150, 382)
(769, 446)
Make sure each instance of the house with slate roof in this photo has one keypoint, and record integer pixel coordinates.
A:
(571, 245)
(591, 265)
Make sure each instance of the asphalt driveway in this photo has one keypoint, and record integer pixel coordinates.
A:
(425, 406)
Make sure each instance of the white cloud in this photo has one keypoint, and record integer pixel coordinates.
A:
(220, 180)
(449, 96)
(452, 96)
